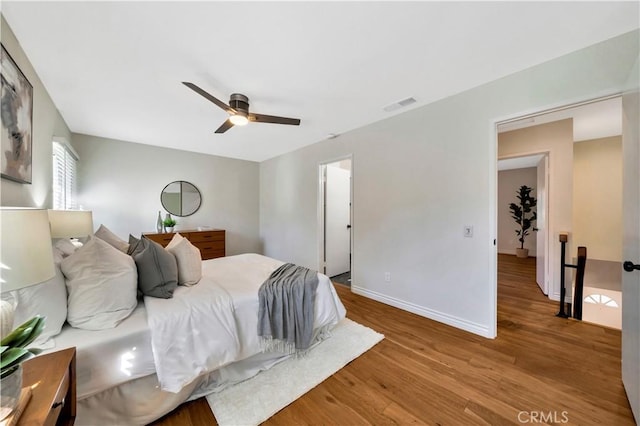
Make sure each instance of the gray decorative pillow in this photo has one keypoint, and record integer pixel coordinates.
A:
(134, 246)
(157, 270)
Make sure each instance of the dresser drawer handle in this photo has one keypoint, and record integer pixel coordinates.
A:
(57, 404)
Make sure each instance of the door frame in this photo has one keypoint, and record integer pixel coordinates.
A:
(547, 154)
(493, 184)
(321, 166)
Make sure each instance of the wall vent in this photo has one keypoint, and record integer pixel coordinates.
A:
(399, 104)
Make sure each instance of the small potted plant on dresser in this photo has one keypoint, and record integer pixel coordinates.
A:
(523, 214)
(169, 223)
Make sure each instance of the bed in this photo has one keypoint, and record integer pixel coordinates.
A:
(121, 380)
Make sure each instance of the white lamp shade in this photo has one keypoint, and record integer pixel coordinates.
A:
(26, 256)
(70, 223)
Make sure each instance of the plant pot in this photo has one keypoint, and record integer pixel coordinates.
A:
(169, 228)
(522, 253)
(10, 388)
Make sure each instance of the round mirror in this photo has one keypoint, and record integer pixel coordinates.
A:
(180, 198)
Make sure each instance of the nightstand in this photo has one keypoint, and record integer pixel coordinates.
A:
(53, 400)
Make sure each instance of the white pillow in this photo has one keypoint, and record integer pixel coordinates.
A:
(47, 299)
(175, 240)
(65, 246)
(101, 282)
(58, 255)
(188, 258)
(106, 235)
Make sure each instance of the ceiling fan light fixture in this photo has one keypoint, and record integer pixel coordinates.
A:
(238, 110)
(238, 119)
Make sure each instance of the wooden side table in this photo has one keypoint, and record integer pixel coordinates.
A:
(53, 399)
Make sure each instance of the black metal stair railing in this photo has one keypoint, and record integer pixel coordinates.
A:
(578, 291)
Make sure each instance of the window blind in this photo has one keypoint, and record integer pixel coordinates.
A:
(65, 164)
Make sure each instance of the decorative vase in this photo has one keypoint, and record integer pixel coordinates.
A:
(159, 223)
(10, 388)
(522, 253)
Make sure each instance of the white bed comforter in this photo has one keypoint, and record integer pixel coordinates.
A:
(214, 323)
(192, 333)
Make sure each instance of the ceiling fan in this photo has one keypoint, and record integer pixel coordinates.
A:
(238, 110)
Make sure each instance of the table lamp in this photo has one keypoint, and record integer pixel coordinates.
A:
(26, 256)
(70, 223)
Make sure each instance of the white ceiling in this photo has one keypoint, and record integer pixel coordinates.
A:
(114, 68)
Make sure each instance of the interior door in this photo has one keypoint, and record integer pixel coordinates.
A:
(337, 220)
(541, 225)
(631, 251)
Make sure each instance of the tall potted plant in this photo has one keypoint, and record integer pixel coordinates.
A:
(524, 216)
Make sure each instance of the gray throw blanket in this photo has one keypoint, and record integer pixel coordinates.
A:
(286, 310)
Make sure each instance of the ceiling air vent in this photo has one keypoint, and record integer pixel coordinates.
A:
(400, 104)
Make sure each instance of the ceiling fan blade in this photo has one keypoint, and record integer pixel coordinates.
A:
(262, 118)
(209, 97)
(225, 126)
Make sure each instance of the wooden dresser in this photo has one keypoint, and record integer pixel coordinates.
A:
(210, 242)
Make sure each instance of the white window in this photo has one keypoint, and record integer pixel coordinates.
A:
(65, 162)
(601, 299)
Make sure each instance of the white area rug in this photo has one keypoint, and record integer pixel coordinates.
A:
(255, 400)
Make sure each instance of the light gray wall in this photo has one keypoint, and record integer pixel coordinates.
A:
(47, 123)
(122, 181)
(418, 178)
(509, 183)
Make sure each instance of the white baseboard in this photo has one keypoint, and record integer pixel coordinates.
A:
(460, 323)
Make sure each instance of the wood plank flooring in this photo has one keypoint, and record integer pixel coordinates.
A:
(540, 369)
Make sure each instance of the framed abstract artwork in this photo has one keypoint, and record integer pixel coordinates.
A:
(17, 121)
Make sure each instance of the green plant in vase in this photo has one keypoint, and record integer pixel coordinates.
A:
(169, 223)
(14, 352)
(524, 216)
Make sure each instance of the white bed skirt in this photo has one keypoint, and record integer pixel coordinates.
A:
(141, 401)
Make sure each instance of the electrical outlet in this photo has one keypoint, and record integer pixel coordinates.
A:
(467, 231)
(387, 277)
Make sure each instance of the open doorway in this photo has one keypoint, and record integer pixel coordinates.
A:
(583, 145)
(531, 171)
(336, 220)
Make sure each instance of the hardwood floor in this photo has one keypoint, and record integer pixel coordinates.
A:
(540, 369)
